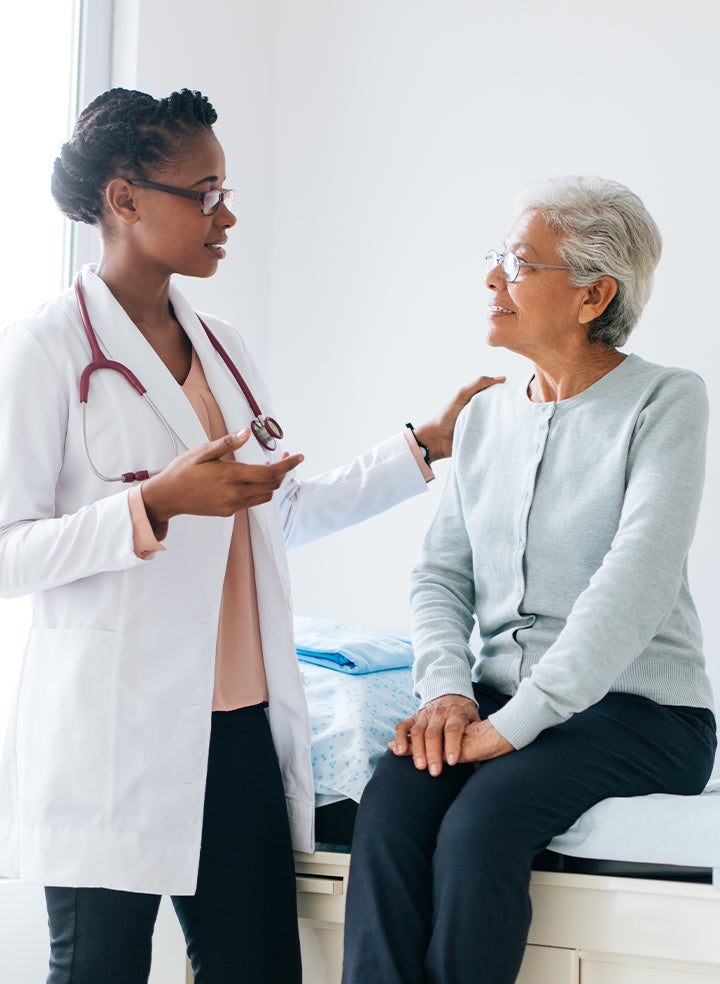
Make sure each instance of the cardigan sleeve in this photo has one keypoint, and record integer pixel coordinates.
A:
(373, 482)
(630, 595)
(443, 599)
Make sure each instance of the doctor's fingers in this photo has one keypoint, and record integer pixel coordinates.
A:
(466, 393)
(270, 475)
(222, 446)
(251, 485)
(230, 486)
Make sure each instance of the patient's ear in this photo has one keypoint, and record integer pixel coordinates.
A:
(597, 297)
(119, 196)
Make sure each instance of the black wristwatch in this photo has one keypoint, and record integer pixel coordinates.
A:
(423, 447)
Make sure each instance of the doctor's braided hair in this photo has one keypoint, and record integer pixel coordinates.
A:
(123, 133)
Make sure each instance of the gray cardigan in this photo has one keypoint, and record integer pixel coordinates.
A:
(564, 529)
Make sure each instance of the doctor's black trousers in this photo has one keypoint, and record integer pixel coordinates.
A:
(241, 924)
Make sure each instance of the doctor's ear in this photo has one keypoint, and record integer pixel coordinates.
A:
(119, 196)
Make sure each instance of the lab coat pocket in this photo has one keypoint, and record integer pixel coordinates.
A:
(65, 726)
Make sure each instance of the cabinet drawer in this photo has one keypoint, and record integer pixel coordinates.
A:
(549, 965)
(321, 907)
(619, 970)
(320, 882)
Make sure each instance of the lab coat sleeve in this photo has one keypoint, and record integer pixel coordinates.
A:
(373, 482)
(40, 549)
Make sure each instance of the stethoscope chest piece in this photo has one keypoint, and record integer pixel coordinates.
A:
(266, 430)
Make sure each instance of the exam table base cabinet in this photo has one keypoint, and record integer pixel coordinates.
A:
(586, 929)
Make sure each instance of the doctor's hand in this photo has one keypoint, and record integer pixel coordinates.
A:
(434, 734)
(437, 434)
(207, 481)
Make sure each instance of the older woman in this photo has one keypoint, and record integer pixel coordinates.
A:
(564, 530)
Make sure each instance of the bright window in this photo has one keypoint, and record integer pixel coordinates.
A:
(37, 72)
(39, 78)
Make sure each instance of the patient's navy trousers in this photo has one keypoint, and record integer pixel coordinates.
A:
(241, 925)
(440, 871)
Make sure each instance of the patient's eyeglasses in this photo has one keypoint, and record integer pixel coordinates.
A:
(510, 264)
(209, 200)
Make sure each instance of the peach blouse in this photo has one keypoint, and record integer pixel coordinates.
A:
(239, 670)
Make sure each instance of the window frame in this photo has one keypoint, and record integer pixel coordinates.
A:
(93, 58)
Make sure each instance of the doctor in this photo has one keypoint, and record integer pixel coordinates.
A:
(159, 742)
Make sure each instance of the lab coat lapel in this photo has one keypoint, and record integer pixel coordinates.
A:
(233, 405)
(237, 415)
(123, 342)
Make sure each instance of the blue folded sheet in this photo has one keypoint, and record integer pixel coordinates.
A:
(349, 649)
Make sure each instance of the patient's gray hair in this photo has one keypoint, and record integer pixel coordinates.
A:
(605, 230)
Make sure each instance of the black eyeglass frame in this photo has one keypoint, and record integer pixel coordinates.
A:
(224, 195)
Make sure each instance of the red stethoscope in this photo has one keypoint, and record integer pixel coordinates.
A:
(267, 431)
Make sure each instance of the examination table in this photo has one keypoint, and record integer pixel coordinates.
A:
(629, 895)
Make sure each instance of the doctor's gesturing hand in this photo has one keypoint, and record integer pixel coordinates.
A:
(449, 730)
(203, 482)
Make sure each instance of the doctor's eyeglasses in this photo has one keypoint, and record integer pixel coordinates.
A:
(209, 200)
(510, 264)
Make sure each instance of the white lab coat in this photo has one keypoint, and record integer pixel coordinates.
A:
(103, 770)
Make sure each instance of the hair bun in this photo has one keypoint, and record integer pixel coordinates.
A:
(123, 131)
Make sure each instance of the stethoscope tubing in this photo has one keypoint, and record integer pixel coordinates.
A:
(266, 430)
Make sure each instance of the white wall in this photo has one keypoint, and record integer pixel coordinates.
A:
(377, 146)
(226, 51)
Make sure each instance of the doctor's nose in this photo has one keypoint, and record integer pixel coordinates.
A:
(224, 217)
